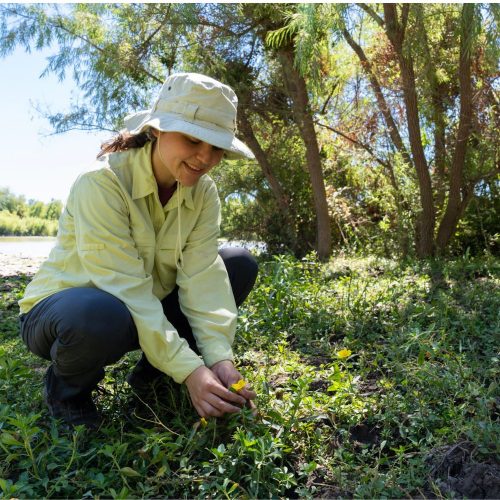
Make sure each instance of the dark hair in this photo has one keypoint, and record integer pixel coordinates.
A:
(124, 141)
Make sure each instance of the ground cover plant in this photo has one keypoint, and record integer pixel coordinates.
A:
(375, 379)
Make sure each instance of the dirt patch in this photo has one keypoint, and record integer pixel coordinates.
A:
(455, 472)
(364, 434)
(11, 265)
(369, 387)
(319, 385)
(317, 361)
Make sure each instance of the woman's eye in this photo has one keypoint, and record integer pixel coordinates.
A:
(192, 140)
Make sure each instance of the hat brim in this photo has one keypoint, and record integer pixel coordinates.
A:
(204, 131)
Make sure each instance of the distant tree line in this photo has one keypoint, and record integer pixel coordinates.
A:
(374, 126)
(19, 217)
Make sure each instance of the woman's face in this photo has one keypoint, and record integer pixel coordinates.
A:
(183, 158)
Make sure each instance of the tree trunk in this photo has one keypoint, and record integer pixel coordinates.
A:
(438, 111)
(282, 199)
(426, 219)
(297, 89)
(391, 125)
(426, 222)
(455, 205)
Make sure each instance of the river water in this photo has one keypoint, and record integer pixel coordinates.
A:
(40, 246)
(25, 254)
(26, 246)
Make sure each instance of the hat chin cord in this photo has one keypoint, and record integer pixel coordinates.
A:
(158, 150)
(179, 258)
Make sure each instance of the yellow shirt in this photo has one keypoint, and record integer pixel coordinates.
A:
(115, 235)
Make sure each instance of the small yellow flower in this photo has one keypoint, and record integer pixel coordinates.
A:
(344, 353)
(238, 386)
(203, 422)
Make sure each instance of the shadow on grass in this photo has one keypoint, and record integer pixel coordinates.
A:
(421, 376)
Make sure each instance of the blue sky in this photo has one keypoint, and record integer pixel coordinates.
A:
(34, 163)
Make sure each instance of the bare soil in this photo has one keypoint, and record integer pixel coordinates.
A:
(456, 472)
(12, 265)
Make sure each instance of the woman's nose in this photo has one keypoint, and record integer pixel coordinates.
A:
(204, 153)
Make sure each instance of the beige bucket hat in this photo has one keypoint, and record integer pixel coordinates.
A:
(196, 105)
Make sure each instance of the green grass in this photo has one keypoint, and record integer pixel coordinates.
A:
(423, 373)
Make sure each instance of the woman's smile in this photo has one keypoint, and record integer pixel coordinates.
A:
(182, 158)
(194, 169)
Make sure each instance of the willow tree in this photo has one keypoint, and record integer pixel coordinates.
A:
(232, 42)
(119, 53)
(443, 64)
(270, 19)
(432, 71)
(226, 45)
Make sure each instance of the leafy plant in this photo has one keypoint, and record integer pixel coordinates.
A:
(363, 369)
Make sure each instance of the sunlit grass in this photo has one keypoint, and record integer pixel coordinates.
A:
(362, 367)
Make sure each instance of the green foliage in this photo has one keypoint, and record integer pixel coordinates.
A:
(308, 28)
(363, 368)
(249, 209)
(13, 225)
(479, 232)
(32, 218)
(118, 54)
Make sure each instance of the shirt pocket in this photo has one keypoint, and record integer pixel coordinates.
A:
(146, 252)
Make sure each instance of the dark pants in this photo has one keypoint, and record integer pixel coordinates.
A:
(82, 330)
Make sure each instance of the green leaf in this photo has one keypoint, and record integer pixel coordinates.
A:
(233, 487)
(310, 467)
(129, 472)
(9, 439)
(421, 357)
(249, 443)
(334, 387)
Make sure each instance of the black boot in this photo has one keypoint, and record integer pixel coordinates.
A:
(77, 410)
(144, 376)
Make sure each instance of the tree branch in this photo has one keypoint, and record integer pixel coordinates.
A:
(58, 25)
(457, 196)
(404, 18)
(427, 217)
(372, 14)
(381, 101)
(386, 164)
(356, 143)
(146, 42)
(86, 127)
(327, 100)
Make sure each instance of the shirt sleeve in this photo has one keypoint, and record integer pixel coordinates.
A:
(109, 256)
(205, 293)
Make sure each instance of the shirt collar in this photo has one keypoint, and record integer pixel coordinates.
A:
(186, 197)
(144, 182)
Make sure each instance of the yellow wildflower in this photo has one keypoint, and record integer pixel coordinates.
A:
(238, 386)
(203, 422)
(344, 353)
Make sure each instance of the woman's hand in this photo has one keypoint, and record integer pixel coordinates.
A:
(229, 375)
(209, 396)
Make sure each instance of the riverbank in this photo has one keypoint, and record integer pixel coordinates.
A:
(26, 225)
(12, 265)
(24, 255)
